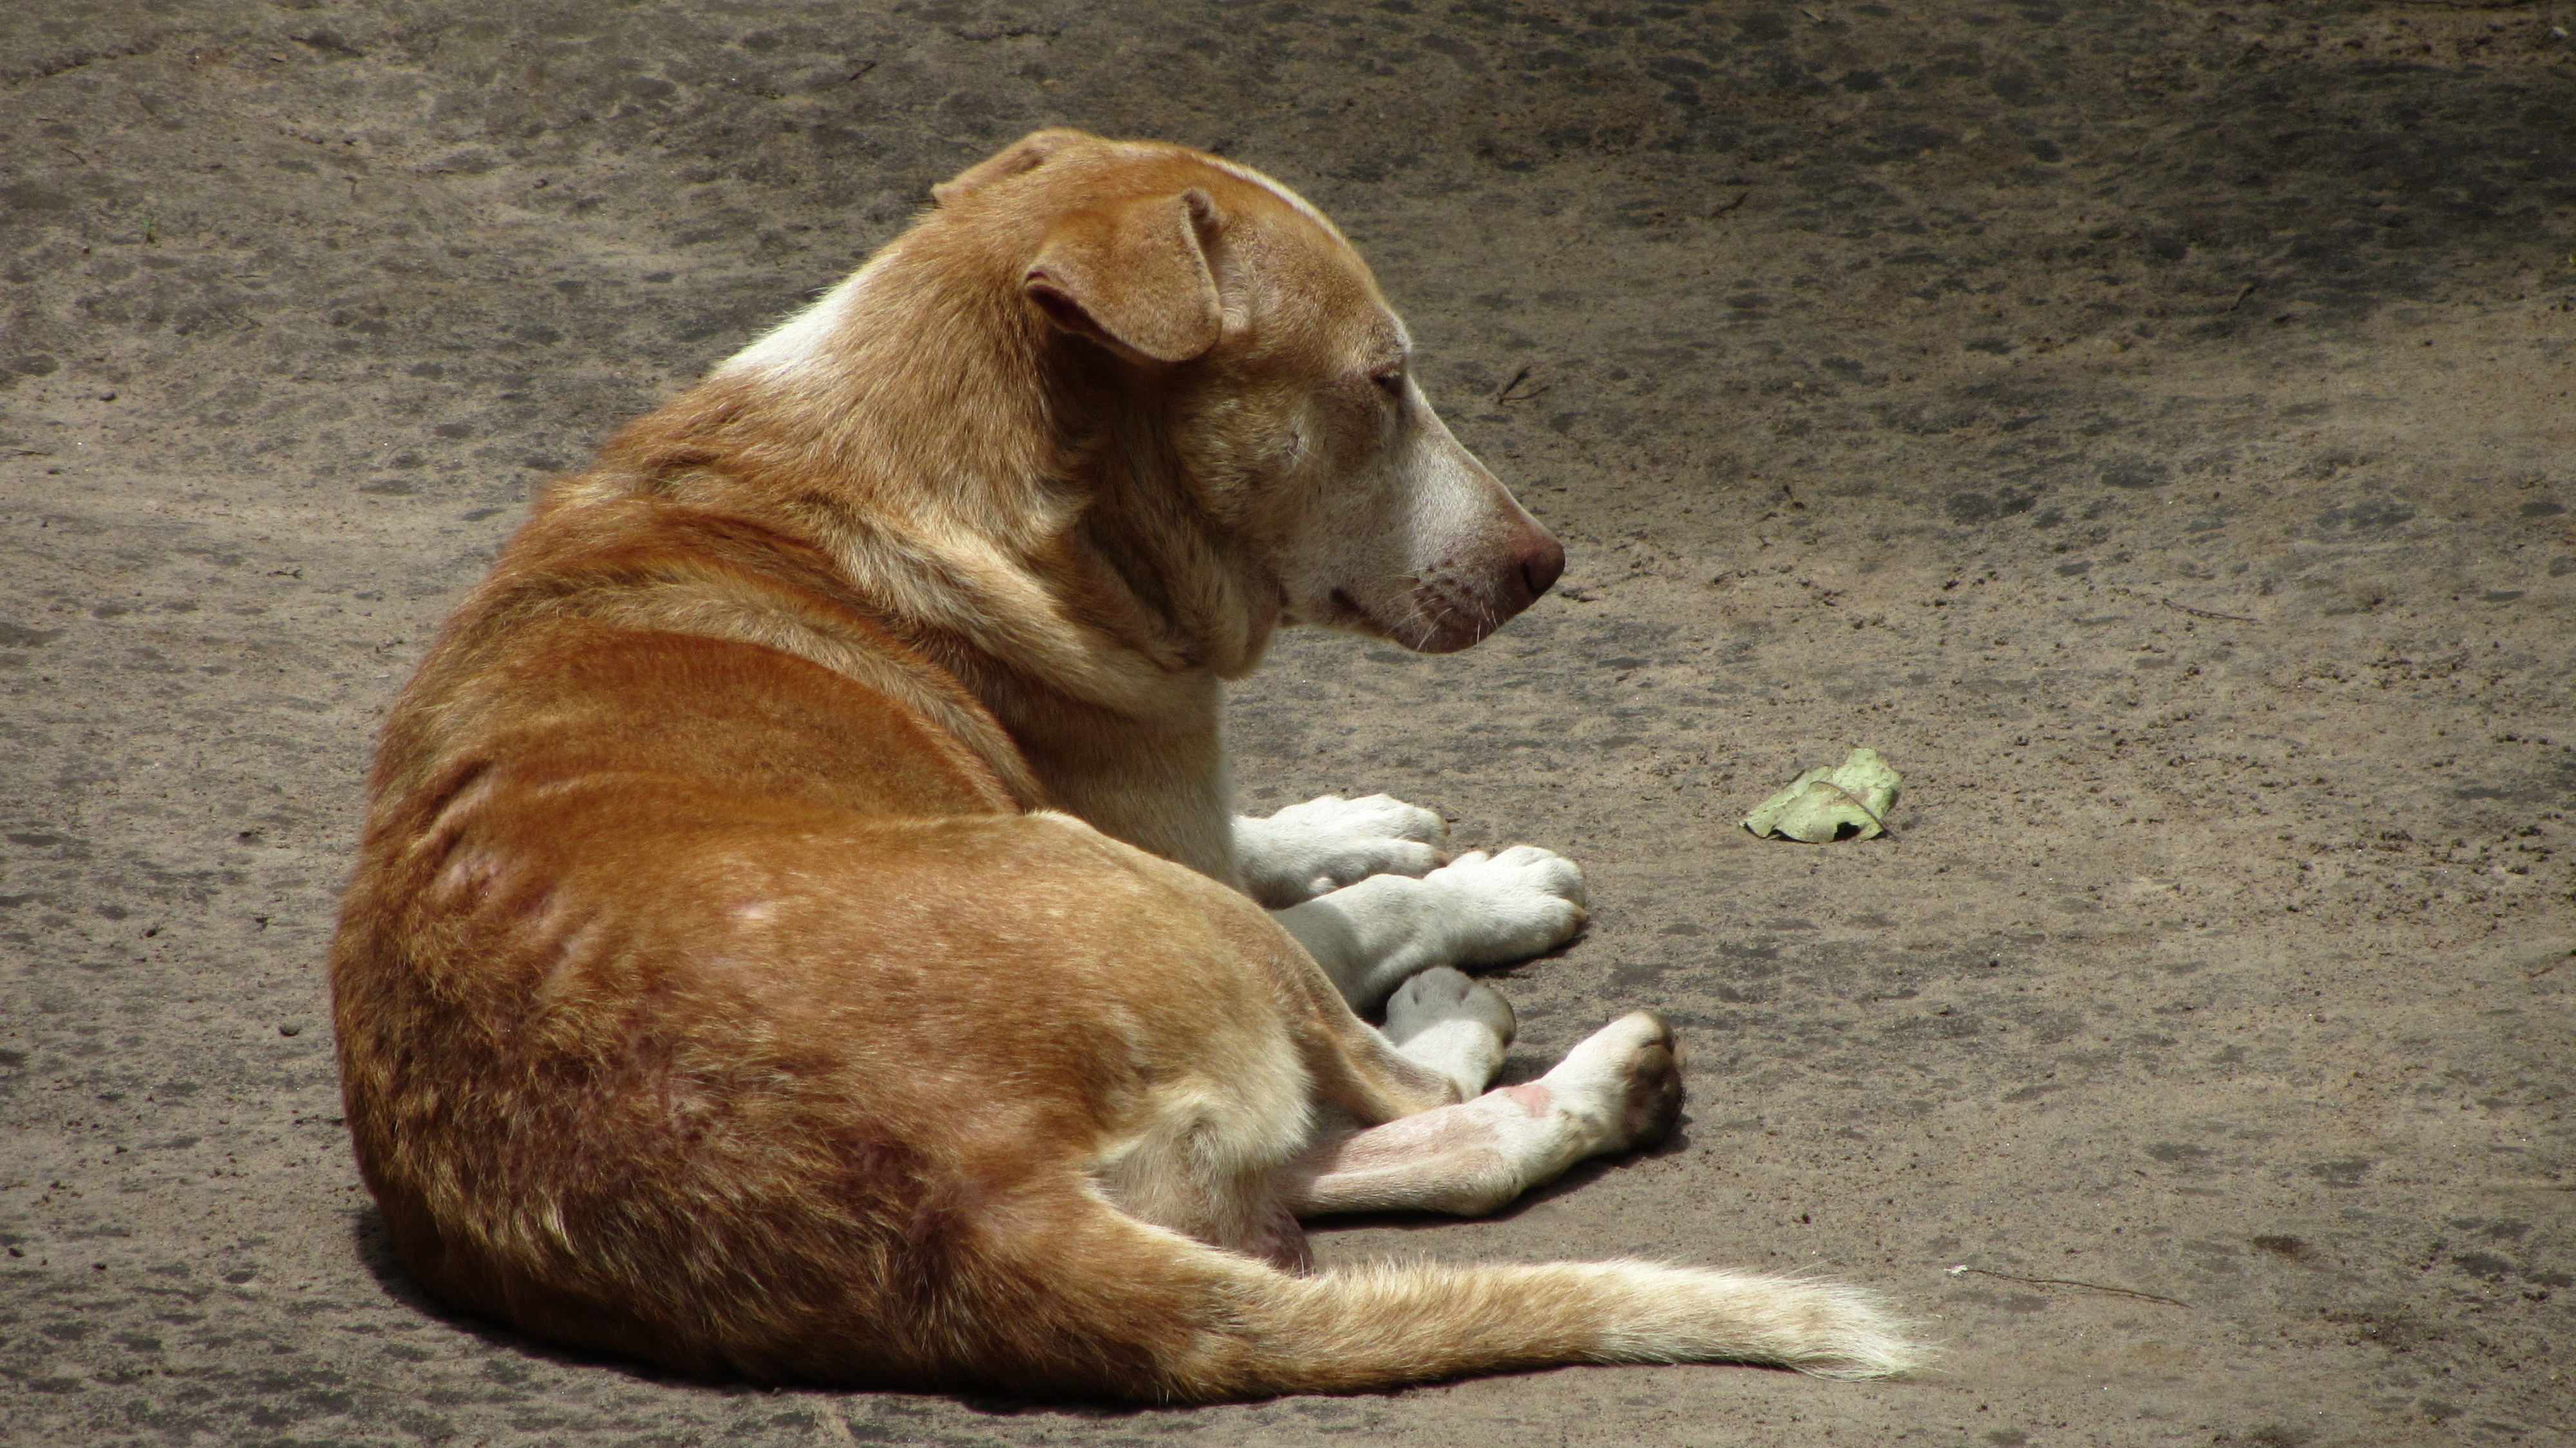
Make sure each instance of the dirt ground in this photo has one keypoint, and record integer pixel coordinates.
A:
(2147, 424)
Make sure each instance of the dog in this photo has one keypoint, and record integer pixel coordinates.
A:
(802, 932)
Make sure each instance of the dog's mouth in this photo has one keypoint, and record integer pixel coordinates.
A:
(1445, 607)
(1350, 612)
(1430, 621)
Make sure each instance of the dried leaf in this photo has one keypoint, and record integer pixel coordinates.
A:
(1849, 801)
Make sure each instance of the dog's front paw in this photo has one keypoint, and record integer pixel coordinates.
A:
(1509, 906)
(1320, 846)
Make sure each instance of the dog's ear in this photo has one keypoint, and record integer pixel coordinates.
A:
(1026, 154)
(1133, 277)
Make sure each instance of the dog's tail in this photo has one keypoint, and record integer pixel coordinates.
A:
(1172, 1319)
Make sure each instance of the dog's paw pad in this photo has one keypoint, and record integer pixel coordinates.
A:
(1653, 1104)
(1442, 994)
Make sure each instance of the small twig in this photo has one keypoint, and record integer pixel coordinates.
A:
(1858, 804)
(2250, 289)
(2071, 1282)
(2205, 613)
(1504, 392)
(1740, 198)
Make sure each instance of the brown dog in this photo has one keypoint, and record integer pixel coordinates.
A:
(802, 931)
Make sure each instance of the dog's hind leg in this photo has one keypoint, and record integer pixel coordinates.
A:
(1620, 1088)
(1455, 1026)
(1477, 910)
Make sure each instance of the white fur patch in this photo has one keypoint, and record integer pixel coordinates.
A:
(1477, 910)
(1456, 1026)
(1313, 848)
(1296, 203)
(799, 342)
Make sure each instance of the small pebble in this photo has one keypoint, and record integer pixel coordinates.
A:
(290, 1030)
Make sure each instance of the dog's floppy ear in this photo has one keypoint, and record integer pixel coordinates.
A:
(1134, 277)
(1026, 154)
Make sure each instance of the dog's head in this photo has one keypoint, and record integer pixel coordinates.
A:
(1279, 377)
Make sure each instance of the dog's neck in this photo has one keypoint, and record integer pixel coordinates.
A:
(1001, 496)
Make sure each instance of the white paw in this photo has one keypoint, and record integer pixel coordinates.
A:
(1455, 1026)
(1320, 846)
(1441, 994)
(1509, 906)
(1624, 1082)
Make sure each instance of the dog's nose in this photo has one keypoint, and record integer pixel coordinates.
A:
(1540, 568)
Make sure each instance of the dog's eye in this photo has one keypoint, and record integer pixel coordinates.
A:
(1390, 382)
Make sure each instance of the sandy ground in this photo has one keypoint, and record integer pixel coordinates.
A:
(2147, 424)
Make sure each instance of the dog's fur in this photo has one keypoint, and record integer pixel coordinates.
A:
(802, 931)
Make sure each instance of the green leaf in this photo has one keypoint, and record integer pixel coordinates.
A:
(1849, 801)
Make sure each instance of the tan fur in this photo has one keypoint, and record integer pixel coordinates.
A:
(799, 932)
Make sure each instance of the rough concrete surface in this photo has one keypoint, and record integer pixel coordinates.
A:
(2148, 424)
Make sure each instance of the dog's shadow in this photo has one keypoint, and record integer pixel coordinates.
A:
(374, 1246)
